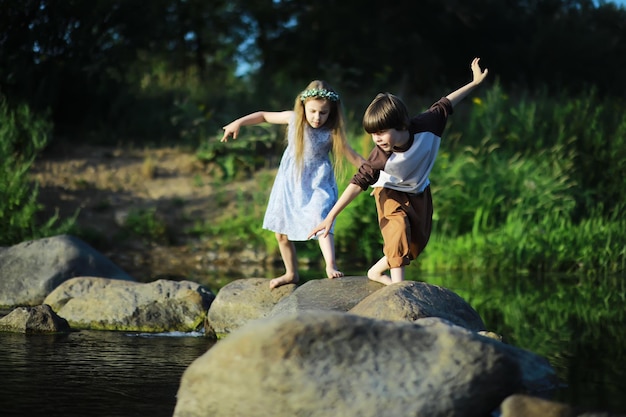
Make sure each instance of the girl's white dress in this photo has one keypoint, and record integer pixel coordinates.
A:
(298, 203)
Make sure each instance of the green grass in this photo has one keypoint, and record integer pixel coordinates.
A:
(23, 135)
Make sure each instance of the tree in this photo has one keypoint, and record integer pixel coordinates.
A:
(99, 64)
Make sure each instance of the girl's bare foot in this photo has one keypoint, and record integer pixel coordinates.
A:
(332, 272)
(284, 279)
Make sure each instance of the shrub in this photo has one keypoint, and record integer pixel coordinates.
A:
(22, 136)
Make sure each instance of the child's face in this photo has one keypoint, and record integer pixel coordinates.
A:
(316, 112)
(390, 138)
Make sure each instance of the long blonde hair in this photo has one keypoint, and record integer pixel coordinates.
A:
(335, 121)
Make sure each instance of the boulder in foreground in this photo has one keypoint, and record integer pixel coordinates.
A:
(322, 363)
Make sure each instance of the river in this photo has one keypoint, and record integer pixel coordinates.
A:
(578, 327)
(90, 373)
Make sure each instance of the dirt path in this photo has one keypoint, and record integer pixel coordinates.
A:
(106, 184)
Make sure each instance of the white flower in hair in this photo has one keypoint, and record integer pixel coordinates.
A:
(319, 93)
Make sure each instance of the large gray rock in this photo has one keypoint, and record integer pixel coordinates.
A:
(240, 301)
(38, 319)
(108, 304)
(536, 372)
(30, 270)
(411, 300)
(323, 363)
(339, 294)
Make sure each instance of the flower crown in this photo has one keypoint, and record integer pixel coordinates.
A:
(319, 93)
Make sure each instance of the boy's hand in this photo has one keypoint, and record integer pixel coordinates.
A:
(325, 225)
(478, 74)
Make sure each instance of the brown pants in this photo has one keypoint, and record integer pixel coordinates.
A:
(405, 222)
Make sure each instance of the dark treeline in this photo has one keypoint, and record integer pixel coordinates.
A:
(115, 69)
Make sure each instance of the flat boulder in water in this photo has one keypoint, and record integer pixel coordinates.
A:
(241, 301)
(412, 300)
(108, 304)
(339, 294)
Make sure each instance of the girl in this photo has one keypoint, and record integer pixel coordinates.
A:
(305, 188)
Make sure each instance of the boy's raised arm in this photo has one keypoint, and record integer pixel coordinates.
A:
(478, 77)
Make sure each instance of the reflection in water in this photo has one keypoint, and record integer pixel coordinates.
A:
(576, 322)
(93, 373)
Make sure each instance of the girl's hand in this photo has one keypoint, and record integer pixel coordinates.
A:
(478, 74)
(230, 129)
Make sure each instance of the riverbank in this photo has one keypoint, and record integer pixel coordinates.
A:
(137, 205)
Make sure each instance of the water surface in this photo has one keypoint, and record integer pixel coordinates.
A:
(90, 373)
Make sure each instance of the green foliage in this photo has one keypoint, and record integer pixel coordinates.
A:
(520, 198)
(357, 234)
(143, 75)
(587, 131)
(125, 73)
(147, 224)
(478, 189)
(553, 244)
(22, 136)
(256, 147)
(240, 223)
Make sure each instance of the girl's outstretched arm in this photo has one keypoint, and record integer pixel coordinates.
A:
(232, 129)
(478, 77)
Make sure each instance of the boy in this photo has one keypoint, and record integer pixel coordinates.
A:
(398, 169)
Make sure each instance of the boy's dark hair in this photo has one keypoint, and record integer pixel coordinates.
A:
(385, 112)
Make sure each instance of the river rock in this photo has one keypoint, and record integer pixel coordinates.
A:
(339, 294)
(29, 271)
(528, 406)
(109, 304)
(412, 300)
(38, 319)
(321, 363)
(240, 301)
(537, 375)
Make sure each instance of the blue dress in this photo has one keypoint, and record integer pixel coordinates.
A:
(298, 203)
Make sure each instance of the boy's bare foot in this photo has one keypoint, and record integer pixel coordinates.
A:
(378, 277)
(377, 272)
(284, 279)
(332, 272)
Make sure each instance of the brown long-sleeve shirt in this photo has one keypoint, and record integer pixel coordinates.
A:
(408, 169)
